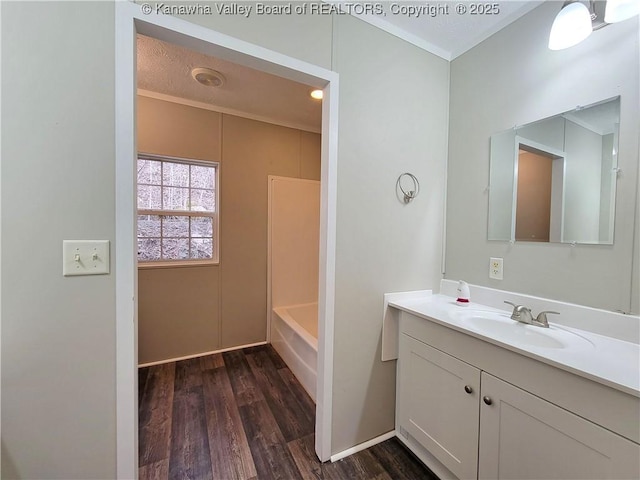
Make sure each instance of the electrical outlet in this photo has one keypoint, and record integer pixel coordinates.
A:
(495, 268)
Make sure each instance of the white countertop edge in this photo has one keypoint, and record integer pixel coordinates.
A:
(612, 377)
(390, 326)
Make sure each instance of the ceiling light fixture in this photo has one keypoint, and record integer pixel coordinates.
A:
(317, 94)
(576, 20)
(571, 26)
(208, 77)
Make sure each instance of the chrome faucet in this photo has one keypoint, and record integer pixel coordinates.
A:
(523, 314)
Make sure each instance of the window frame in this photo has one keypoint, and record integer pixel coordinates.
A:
(215, 215)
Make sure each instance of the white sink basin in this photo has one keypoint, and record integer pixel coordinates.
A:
(500, 327)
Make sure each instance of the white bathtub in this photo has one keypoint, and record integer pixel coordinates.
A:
(294, 335)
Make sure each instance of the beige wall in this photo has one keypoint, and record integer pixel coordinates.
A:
(189, 310)
(294, 229)
(512, 78)
(533, 203)
(252, 151)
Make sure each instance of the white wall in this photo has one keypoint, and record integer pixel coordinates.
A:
(58, 334)
(501, 179)
(306, 37)
(635, 275)
(607, 197)
(512, 78)
(551, 132)
(393, 119)
(583, 172)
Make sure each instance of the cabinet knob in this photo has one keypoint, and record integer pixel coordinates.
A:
(487, 400)
(468, 389)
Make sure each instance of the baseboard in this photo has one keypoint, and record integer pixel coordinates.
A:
(203, 354)
(363, 446)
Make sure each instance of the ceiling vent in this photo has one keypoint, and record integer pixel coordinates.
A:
(208, 77)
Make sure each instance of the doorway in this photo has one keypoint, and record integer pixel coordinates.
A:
(130, 21)
(538, 192)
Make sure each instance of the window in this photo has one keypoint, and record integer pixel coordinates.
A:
(177, 210)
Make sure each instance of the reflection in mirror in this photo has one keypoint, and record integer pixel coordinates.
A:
(555, 180)
(539, 199)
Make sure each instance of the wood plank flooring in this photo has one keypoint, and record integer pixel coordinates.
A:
(243, 415)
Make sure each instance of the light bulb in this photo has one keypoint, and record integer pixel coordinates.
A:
(571, 26)
(317, 94)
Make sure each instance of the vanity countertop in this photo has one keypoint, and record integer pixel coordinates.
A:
(606, 360)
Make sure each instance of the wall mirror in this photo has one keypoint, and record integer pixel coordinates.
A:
(554, 180)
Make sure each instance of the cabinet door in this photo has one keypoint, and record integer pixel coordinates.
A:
(434, 407)
(525, 437)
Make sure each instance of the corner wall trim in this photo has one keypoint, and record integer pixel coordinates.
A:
(363, 446)
(202, 354)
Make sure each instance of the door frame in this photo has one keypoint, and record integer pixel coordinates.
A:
(129, 21)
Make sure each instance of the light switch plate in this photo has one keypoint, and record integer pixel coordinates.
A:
(85, 257)
(495, 268)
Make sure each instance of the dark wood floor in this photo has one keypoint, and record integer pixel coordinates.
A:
(243, 415)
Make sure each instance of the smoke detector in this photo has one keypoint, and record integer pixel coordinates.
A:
(208, 77)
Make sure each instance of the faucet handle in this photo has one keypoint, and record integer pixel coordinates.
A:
(542, 317)
(516, 308)
(515, 315)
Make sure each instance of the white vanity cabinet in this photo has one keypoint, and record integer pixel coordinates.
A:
(465, 408)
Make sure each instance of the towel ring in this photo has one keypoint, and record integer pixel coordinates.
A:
(411, 193)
